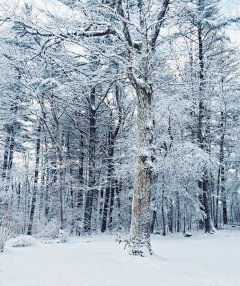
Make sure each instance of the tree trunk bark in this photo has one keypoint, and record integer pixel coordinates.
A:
(70, 167)
(209, 228)
(139, 242)
(8, 155)
(224, 199)
(110, 222)
(5, 157)
(163, 210)
(91, 172)
(170, 218)
(79, 195)
(178, 214)
(202, 129)
(153, 220)
(34, 196)
(118, 192)
(109, 196)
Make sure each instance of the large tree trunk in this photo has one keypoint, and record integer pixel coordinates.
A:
(139, 243)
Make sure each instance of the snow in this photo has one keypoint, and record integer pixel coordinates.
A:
(203, 259)
(22, 241)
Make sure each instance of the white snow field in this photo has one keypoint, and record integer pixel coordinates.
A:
(198, 260)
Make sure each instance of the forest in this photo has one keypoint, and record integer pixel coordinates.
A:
(118, 116)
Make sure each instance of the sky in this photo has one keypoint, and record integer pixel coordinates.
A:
(228, 7)
(232, 8)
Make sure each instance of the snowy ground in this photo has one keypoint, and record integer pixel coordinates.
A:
(198, 260)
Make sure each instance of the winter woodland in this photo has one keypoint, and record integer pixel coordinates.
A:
(118, 116)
